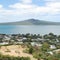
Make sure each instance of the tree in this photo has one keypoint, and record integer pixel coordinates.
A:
(31, 50)
(45, 46)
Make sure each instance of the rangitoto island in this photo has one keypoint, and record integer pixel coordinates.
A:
(31, 22)
(29, 47)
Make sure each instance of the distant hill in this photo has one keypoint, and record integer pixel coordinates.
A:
(31, 22)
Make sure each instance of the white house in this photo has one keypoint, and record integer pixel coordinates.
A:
(4, 43)
(52, 47)
(50, 52)
(35, 44)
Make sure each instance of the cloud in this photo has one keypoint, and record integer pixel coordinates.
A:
(26, 9)
(26, 1)
(22, 6)
(50, 8)
(52, 0)
(54, 7)
(1, 6)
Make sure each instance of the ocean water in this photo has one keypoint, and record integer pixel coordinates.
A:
(33, 29)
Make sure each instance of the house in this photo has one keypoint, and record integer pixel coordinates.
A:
(50, 52)
(35, 44)
(24, 39)
(57, 40)
(52, 47)
(18, 42)
(6, 38)
(2, 36)
(4, 43)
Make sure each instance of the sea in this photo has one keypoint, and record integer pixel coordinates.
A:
(32, 29)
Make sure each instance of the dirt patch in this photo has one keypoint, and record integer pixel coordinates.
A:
(15, 50)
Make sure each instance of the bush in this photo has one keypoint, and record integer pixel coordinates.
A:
(3, 57)
(31, 50)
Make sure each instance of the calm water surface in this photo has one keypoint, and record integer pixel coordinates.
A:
(33, 29)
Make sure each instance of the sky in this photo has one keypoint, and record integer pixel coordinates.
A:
(18, 10)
